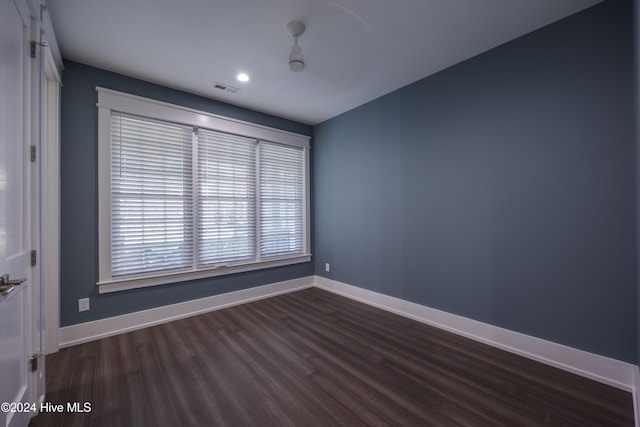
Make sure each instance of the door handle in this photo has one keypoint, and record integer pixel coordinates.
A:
(7, 286)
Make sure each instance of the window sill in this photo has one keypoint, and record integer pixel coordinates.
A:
(116, 285)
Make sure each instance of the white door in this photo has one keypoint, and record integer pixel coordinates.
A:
(15, 215)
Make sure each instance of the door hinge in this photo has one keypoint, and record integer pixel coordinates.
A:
(34, 46)
(33, 153)
(33, 361)
(34, 258)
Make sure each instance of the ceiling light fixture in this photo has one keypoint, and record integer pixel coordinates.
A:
(296, 59)
(242, 77)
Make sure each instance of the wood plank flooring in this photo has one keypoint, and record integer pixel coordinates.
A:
(312, 358)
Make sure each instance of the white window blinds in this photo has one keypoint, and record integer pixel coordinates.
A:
(187, 195)
(151, 203)
(282, 178)
(226, 197)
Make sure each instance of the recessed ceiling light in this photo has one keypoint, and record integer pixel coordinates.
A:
(242, 77)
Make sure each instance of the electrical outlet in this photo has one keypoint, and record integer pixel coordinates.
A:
(327, 267)
(83, 304)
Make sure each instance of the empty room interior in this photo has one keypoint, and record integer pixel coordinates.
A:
(322, 213)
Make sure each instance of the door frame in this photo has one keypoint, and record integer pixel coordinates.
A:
(51, 80)
(43, 124)
(50, 158)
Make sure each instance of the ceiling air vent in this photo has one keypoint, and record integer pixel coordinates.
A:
(226, 88)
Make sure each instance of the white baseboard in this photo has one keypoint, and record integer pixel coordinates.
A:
(609, 371)
(636, 396)
(89, 331)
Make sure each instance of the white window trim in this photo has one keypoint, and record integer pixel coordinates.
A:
(110, 100)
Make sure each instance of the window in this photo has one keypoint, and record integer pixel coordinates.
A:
(185, 194)
(226, 198)
(151, 219)
(281, 200)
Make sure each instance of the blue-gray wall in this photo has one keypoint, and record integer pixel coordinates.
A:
(79, 200)
(501, 189)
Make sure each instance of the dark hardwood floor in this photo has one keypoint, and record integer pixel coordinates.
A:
(311, 358)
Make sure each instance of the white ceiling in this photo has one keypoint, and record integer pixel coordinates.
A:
(355, 50)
